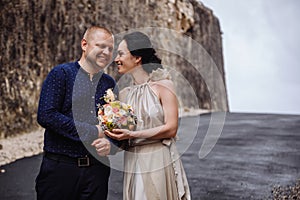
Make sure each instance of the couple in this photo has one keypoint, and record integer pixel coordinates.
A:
(67, 110)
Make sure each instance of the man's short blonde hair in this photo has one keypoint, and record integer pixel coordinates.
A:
(92, 29)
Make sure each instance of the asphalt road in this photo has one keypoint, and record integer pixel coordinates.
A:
(254, 153)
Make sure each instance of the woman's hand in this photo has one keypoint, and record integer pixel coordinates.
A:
(119, 134)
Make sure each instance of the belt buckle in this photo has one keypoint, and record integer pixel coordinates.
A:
(83, 162)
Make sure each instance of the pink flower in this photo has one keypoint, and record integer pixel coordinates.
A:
(115, 110)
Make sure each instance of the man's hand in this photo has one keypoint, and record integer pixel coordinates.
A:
(102, 146)
(100, 132)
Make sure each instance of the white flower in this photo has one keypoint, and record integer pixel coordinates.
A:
(108, 110)
(110, 96)
(122, 112)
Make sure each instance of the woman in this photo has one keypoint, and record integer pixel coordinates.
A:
(152, 166)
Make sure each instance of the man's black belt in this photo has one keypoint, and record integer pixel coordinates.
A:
(80, 162)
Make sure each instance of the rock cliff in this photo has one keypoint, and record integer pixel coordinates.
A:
(37, 35)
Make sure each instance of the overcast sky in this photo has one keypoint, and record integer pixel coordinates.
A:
(261, 42)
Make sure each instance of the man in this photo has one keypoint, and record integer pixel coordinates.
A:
(74, 143)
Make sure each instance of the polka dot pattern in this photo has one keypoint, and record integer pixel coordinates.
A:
(68, 108)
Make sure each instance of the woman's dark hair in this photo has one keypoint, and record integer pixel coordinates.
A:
(140, 45)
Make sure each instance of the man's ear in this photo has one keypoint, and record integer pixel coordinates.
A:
(83, 44)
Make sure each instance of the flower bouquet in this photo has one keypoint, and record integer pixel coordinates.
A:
(115, 114)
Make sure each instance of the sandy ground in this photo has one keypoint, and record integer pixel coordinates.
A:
(25, 145)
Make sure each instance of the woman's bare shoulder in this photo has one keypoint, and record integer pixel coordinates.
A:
(163, 86)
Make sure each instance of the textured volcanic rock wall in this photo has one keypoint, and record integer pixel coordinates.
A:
(37, 35)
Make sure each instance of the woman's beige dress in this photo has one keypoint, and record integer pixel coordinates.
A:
(153, 169)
